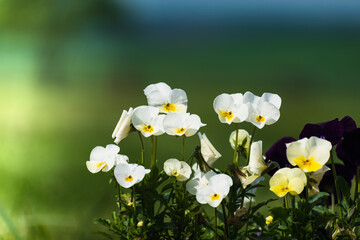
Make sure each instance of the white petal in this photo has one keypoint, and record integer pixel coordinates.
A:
(184, 172)
(192, 185)
(171, 165)
(203, 194)
(157, 94)
(98, 154)
(256, 163)
(272, 98)
(139, 173)
(319, 149)
(296, 150)
(112, 149)
(122, 171)
(120, 158)
(143, 115)
(208, 151)
(250, 98)
(172, 122)
(178, 96)
(94, 167)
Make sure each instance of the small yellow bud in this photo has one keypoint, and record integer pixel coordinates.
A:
(269, 220)
(140, 223)
(130, 204)
(187, 211)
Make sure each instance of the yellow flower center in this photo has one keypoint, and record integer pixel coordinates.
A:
(129, 178)
(100, 163)
(229, 115)
(169, 107)
(280, 190)
(175, 173)
(310, 165)
(215, 196)
(260, 119)
(148, 128)
(180, 130)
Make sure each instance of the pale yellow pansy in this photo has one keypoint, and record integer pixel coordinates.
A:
(308, 154)
(178, 169)
(288, 180)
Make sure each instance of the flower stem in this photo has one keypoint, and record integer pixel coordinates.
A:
(183, 148)
(142, 149)
(293, 202)
(286, 202)
(225, 218)
(216, 234)
(134, 201)
(119, 195)
(335, 182)
(152, 152)
(156, 139)
(251, 140)
(236, 159)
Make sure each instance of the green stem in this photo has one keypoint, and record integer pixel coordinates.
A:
(156, 140)
(152, 152)
(142, 149)
(216, 233)
(251, 140)
(293, 202)
(134, 202)
(286, 202)
(307, 190)
(225, 219)
(247, 222)
(183, 148)
(335, 176)
(119, 194)
(235, 159)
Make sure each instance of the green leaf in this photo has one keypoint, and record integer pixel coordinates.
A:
(279, 213)
(102, 221)
(318, 196)
(344, 187)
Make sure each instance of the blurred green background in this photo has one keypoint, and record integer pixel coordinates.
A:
(69, 68)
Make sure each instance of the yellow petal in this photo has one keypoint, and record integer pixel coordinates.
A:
(307, 165)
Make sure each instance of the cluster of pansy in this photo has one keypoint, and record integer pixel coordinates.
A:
(165, 113)
(312, 152)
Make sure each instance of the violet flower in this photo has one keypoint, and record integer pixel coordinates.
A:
(277, 153)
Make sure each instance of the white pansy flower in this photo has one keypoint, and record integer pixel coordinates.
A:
(129, 174)
(147, 120)
(256, 166)
(102, 158)
(315, 179)
(243, 136)
(256, 162)
(264, 110)
(179, 169)
(208, 151)
(182, 124)
(230, 108)
(217, 189)
(245, 177)
(199, 180)
(123, 127)
(309, 154)
(120, 158)
(160, 95)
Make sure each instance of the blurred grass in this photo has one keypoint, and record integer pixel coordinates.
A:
(48, 130)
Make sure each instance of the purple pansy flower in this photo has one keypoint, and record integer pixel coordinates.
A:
(330, 130)
(277, 153)
(348, 150)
